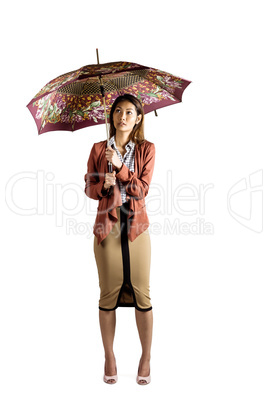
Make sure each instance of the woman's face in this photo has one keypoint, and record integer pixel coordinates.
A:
(125, 116)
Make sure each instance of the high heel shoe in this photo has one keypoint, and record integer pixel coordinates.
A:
(110, 379)
(107, 378)
(146, 380)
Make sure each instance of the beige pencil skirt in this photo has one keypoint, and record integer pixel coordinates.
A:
(124, 267)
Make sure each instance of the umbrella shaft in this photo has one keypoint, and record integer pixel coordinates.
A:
(110, 167)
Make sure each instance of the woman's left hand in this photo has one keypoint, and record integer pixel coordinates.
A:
(111, 156)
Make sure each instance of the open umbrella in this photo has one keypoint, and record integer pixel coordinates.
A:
(84, 97)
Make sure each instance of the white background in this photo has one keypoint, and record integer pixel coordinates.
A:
(208, 290)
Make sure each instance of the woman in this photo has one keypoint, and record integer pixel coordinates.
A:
(122, 245)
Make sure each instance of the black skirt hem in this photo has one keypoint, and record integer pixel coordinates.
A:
(126, 305)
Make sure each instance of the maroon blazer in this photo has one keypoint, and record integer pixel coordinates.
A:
(136, 184)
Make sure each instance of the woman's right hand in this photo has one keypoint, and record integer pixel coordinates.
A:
(109, 180)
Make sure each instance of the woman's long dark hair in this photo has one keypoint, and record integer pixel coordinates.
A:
(137, 134)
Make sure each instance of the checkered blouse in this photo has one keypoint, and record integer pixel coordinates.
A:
(128, 160)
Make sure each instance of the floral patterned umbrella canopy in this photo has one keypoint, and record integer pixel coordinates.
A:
(75, 100)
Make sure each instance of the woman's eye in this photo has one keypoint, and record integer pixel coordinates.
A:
(119, 111)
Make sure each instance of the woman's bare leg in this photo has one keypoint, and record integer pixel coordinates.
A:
(144, 320)
(107, 326)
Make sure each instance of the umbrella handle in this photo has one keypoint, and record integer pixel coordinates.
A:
(110, 168)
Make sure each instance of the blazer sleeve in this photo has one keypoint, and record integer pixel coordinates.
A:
(138, 187)
(93, 180)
